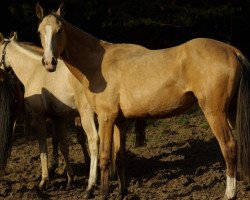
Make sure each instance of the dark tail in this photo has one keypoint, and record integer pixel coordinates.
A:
(7, 119)
(243, 121)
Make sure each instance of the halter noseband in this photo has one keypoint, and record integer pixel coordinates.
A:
(3, 63)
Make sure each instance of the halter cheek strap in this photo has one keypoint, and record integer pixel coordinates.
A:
(3, 63)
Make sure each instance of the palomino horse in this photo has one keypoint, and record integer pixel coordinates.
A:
(57, 95)
(129, 81)
(11, 99)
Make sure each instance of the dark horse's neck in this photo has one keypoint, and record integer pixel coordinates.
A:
(83, 55)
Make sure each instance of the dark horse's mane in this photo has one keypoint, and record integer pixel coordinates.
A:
(8, 108)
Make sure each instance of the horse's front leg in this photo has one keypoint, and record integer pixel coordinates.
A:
(55, 143)
(119, 155)
(81, 137)
(140, 132)
(88, 124)
(106, 128)
(64, 148)
(40, 126)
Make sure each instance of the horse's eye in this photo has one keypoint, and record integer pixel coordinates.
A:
(59, 30)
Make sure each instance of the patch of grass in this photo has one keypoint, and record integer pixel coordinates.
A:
(183, 120)
(205, 126)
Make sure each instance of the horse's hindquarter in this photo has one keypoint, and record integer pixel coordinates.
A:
(211, 70)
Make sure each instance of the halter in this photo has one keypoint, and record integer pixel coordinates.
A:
(3, 63)
(56, 16)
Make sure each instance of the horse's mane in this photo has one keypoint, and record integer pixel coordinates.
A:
(32, 47)
(53, 13)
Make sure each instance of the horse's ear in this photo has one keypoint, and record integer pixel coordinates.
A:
(1, 38)
(39, 11)
(14, 36)
(61, 10)
(11, 34)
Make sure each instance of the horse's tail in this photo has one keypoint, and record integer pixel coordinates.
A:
(7, 118)
(243, 120)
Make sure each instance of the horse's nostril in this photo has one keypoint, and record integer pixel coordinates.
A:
(43, 61)
(54, 61)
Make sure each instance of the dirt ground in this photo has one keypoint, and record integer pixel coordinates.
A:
(181, 160)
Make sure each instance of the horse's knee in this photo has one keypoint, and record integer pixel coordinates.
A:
(104, 163)
(93, 144)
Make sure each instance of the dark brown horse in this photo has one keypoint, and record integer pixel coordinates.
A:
(129, 81)
(11, 99)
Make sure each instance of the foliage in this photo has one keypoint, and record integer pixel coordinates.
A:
(153, 23)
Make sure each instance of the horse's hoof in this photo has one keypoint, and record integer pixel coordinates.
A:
(69, 186)
(123, 195)
(104, 197)
(52, 171)
(88, 194)
(42, 185)
(229, 197)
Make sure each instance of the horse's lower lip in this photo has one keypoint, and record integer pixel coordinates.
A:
(51, 68)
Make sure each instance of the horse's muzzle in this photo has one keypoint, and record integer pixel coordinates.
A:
(50, 64)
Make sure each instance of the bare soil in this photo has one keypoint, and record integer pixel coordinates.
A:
(181, 160)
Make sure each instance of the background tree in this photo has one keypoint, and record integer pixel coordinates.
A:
(152, 23)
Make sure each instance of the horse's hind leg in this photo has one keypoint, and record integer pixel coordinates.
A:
(222, 131)
(40, 125)
(119, 156)
(54, 161)
(64, 148)
(140, 128)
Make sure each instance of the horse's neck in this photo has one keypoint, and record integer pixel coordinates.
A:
(22, 61)
(78, 39)
(83, 53)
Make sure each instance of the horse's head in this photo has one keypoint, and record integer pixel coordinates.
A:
(4, 63)
(52, 35)
(1, 48)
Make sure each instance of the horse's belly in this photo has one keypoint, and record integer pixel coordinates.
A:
(160, 104)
